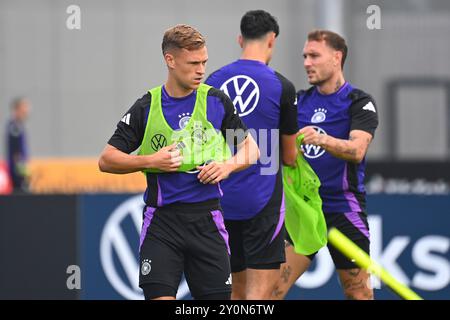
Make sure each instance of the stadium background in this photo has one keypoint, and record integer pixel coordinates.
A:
(81, 82)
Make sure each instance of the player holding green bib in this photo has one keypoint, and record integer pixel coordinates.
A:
(179, 129)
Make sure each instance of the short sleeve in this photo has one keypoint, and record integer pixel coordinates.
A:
(364, 115)
(131, 127)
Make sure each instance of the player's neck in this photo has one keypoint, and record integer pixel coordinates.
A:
(176, 91)
(255, 52)
(332, 85)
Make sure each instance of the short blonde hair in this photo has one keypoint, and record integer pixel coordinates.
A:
(182, 36)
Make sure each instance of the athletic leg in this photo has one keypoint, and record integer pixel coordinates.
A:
(355, 282)
(261, 283)
(239, 285)
(295, 265)
(264, 251)
(156, 291)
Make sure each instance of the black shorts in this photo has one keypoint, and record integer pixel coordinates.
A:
(354, 225)
(189, 238)
(257, 243)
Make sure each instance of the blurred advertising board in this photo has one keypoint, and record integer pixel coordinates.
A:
(410, 238)
(80, 175)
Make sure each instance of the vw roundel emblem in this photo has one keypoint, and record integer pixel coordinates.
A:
(311, 151)
(244, 92)
(158, 141)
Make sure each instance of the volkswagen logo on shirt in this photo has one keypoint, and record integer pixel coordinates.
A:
(244, 92)
(158, 141)
(311, 151)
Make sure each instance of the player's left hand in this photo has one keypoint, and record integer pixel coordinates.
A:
(213, 172)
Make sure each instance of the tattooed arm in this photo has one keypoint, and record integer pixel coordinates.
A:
(354, 149)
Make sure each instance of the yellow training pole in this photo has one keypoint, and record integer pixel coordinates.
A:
(362, 259)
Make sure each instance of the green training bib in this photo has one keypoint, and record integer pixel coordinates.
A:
(304, 218)
(198, 141)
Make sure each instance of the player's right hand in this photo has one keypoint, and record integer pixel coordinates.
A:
(167, 159)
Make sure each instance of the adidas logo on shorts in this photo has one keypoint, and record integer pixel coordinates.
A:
(229, 280)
